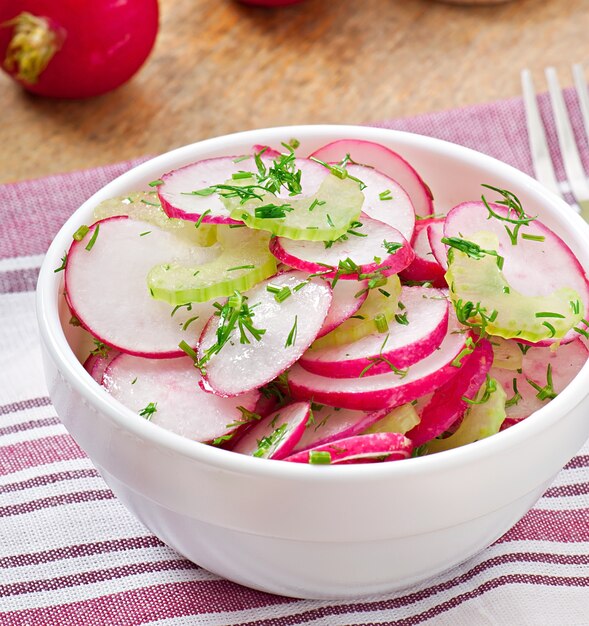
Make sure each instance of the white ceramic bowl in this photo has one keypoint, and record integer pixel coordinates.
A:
(309, 531)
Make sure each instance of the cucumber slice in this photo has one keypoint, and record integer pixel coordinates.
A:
(401, 419)
(508, 313)
(323, 216)
(480, 421)
(362, 323)
(145, 206)
(244, 261)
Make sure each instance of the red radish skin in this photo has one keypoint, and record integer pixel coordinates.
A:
(96, 364)
(178, 201)
(424, 267)
(115, 306)
(172, 385)
(427, 311)
(435, 232)
(75, 49)
(330, 423)
(281, 430)
(314, 256)
(375, 447)
(372, 393)
(447, 404)
(345, 302)
(240, 367)
(386, 161)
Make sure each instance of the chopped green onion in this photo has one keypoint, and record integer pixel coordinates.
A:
(319, 457)
(81, 233)
(201, 218)
(92, 241)
(189, 321)
(292, 335)
(380, 321)
(147, 232)
(156, 183)
(533, 237)
(385, 195)
(148, 202)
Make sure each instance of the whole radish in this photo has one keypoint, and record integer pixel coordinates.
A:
(71, 49)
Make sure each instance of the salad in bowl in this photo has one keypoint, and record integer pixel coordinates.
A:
(243, 315)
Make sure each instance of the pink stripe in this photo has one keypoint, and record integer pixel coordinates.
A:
(579, 461)
(19, 281)
(148, 604)
(47, 203)
(19, 428)
(88, 578)
(49, 479)
(53, 501)
(84, 549)
(577, 489)
(564, 526)
(23, 405)
(27, 454)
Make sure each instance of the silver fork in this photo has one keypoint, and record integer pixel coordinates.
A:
(543, 168)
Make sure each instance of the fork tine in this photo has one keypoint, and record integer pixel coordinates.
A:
(537, 137)
(582, 94)
(566, 139)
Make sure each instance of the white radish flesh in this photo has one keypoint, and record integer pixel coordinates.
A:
(415, 333)
(276, 435)
(106, 288)
(424, 266)
(330, 423)
(348, 297)
(372, 393)
(171, 388)
(435, 233)
(290, 327)
(386, 161)
(178, 200)
(376, 447)
(376, 246)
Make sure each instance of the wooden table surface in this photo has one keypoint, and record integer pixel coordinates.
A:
(219, 66)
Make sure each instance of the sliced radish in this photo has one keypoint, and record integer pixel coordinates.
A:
(106, 287)
(530, 304)
(373, 393)
(289, 328)
(413, 335)
(424, 266)
(97, 363)
(275, 436)
(145, 206)
(385, 200)
(435, 232)
(374, 246)
(357, 449)
(387, 162)
(381, 303)
(330, 423)
(481, 420)
(346, 302)
(549, 369)
(448, 403)
(182, 194)
(167, 393)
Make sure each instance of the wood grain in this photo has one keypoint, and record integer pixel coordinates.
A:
(219, 67)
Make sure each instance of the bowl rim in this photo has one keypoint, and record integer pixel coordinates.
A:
(71, 369)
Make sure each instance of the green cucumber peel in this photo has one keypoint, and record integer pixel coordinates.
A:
(480, 421)
(484, 299)
(244, 261)
(335, 205)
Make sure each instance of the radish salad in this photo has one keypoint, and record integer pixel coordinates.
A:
(318, 310)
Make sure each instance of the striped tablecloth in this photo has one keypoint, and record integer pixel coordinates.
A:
(70, 554)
